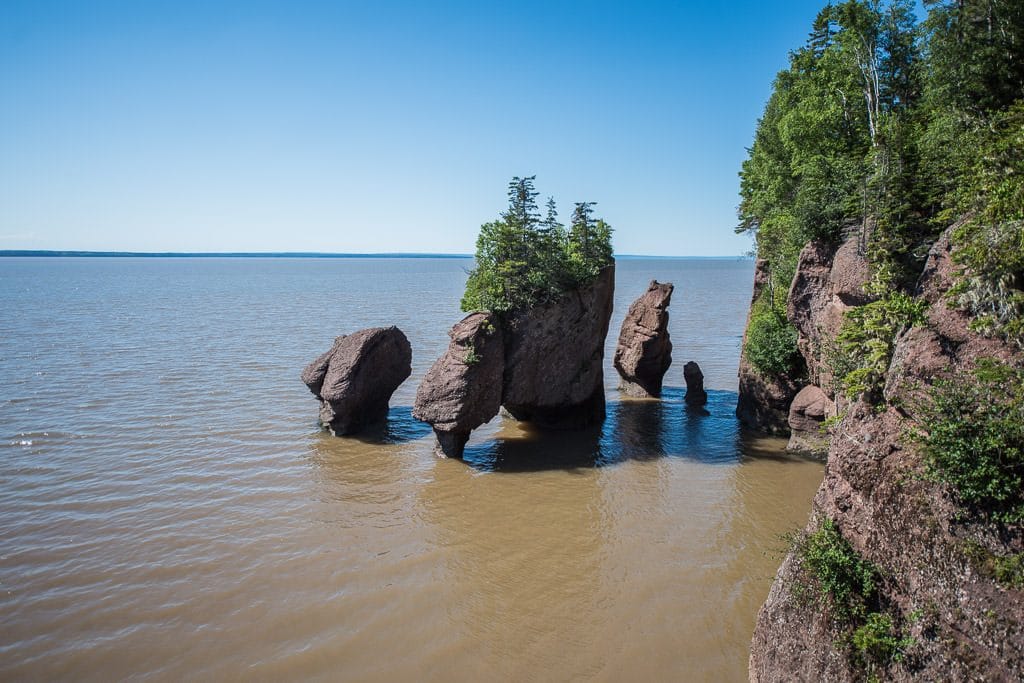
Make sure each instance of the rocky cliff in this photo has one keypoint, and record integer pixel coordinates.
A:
(935, 579)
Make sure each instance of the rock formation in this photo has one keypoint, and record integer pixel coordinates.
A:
(963, 625)
(763, 402)
(807, 415)
(355, 379)
(462, 390)
(543, 365)
(695, 394)
(827, 283)
(644, 351)
(554, 357)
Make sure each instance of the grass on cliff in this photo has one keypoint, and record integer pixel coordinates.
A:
(849, 586)
(973, 439)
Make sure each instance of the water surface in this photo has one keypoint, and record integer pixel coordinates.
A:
(169, 509)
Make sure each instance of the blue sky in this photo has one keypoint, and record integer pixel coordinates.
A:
(377, 126)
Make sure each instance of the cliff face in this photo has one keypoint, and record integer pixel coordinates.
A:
(956, 621)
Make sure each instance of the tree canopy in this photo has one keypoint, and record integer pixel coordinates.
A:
(523, 259)
(905, 126)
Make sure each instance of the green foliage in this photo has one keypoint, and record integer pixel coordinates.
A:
(832, 140)
(1008, 570)
(973, 439)
(991, 244)
(849, 585)
(879, 121)
(865, 343)
(771, 340)
(877, 641)
(522, 260)
(846, 582)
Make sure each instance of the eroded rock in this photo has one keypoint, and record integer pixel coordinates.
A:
(960, 623)
(644, 350)
(554, 355)
(462, 389)
(807, 415)
(828, 282)
(355, 379)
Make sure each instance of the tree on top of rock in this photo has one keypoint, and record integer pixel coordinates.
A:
(523, 260)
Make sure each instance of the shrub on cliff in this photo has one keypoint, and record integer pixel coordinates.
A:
(850, 586)
(771, 340)
(865, 343)
(990, 245)
(523, 260)
(973, 438)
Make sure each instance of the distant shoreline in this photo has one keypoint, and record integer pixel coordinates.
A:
(291, 254)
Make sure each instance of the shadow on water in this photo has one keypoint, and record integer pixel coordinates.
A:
(400, 427)
(634, 429)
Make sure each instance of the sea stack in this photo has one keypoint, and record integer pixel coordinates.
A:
(554, 357)
(644, 350)
(696, 397)
(462, 390)
(355, 379)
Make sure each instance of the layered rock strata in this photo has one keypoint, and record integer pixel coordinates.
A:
(355, 379)
(644, 350)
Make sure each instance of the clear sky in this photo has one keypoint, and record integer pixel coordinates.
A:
(377, 126)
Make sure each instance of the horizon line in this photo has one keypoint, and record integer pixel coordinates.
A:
(76, 253)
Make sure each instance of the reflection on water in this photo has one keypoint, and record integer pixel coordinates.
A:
(635, 429)
(642, 553)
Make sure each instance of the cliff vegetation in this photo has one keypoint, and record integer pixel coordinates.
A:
(885, 193)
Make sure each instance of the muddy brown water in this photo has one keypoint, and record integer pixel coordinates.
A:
(169, 510)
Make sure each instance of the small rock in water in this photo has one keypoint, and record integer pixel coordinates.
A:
(695, 394)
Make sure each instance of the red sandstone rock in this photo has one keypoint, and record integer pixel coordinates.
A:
(965, 626)
(462, 390)
(554, 358)
(807, 415)
(355, 379)
(644, 350)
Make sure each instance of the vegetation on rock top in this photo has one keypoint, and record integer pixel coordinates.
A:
(523, 260)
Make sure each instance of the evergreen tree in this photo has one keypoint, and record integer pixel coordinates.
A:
(522, 260)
